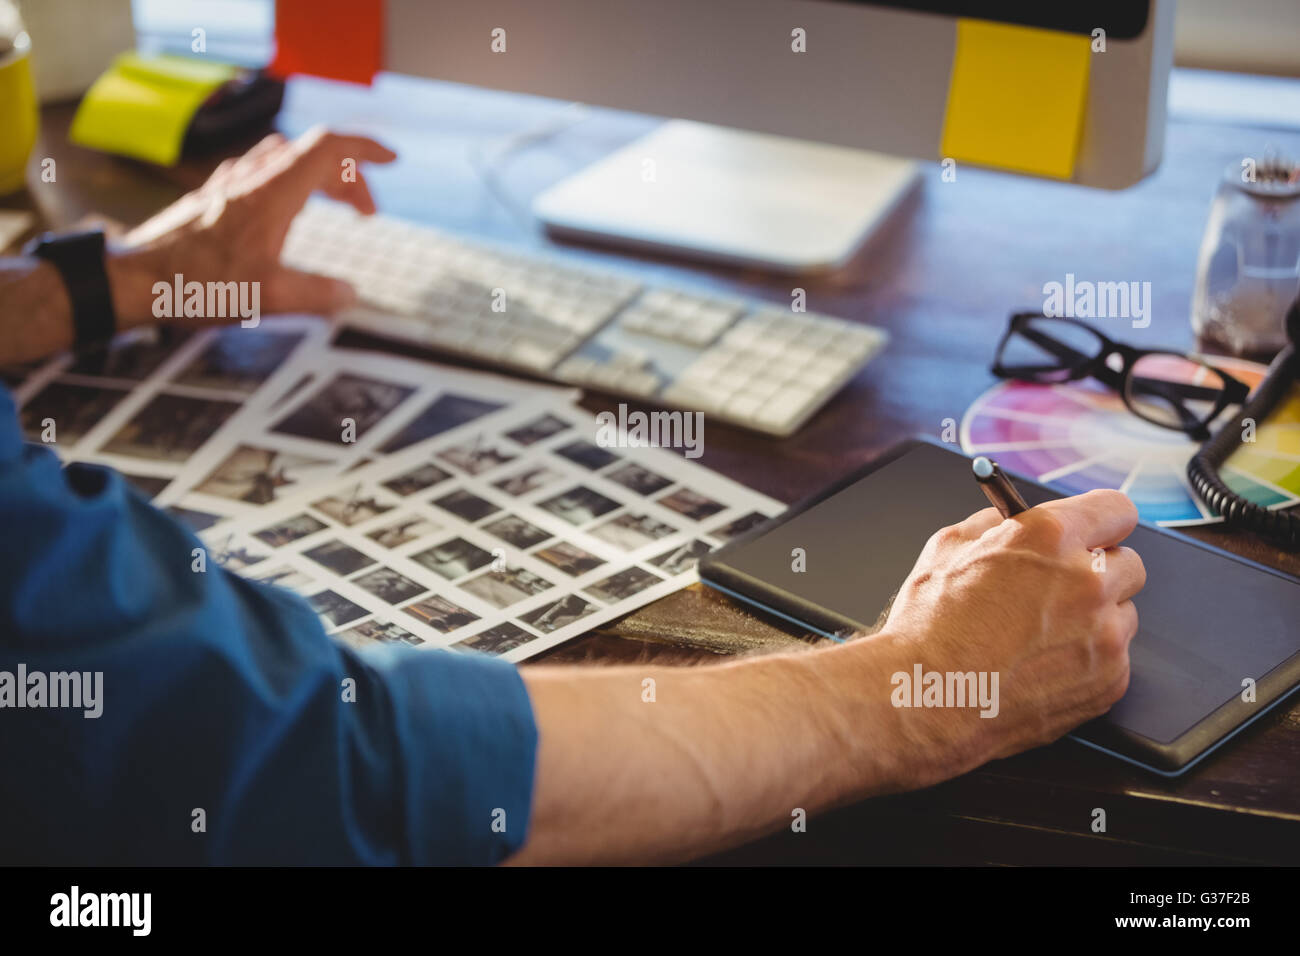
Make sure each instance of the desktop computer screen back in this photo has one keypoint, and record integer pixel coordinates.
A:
(1072, 91)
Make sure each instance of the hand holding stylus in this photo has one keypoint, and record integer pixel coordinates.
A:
(1030, 599)
(998, 488)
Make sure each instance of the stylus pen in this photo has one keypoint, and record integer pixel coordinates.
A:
(998, 488)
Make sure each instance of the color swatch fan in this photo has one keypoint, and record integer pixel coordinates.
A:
(1079, 436)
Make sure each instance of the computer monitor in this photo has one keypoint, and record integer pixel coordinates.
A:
(805, 114)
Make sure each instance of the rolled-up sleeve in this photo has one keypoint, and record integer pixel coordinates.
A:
(231, 728)
(491, 729)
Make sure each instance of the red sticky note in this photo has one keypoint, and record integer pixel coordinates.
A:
(337, 39)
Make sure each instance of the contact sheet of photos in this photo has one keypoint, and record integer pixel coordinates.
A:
(215, 423)
(147, 403)
(508, 533)
(343, 410)
(406, 501)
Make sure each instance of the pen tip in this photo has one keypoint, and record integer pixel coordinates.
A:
(982, 467)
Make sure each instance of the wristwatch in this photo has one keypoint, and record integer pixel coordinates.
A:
(79, 258)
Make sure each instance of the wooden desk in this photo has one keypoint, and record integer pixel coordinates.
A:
(942, 281)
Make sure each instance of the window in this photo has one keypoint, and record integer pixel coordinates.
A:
(236, 31)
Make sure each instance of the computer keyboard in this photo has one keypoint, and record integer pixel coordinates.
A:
(748, 363)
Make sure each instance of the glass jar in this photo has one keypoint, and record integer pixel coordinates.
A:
(1249, 268)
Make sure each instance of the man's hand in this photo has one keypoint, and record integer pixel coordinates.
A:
(232, 227)
(1045, 600)
(724, 753)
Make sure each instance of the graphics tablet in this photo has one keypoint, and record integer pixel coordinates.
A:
(1208, 619)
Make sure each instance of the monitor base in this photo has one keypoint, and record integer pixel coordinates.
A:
(724, 195)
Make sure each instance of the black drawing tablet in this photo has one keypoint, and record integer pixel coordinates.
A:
(1208, 618)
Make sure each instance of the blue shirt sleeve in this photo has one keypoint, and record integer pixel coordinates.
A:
(228, 730)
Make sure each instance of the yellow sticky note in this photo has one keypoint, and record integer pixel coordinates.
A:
(1017, 98)
(142, 106)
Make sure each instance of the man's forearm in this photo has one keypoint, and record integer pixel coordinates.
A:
(36, 313)
(720, 755)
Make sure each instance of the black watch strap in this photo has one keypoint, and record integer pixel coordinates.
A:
(79, 257)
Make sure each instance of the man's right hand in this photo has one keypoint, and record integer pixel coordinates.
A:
(716, 755)
(1045, 600)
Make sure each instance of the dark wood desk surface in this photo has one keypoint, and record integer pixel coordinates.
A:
(941, 280)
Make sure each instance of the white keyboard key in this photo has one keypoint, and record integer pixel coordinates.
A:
(576, 369)
(642, 384)
(531, 355)
(744, 405)
(630, 360)
(732, 379)
(692, 397)
(785, 407)
(766, 387)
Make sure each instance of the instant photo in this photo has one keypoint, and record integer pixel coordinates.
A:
(239, 359)
(374, 631)
(475, 456)
(682, 558)
(284, 577)
(290, 530)
(64, 412)
(631, 531)
(440, 614)
(388, 585)
(259, 476)
(453, 559)
(504, 588)
(569, 558)
(516, 531)
(635, 478)
(443, 414)
(134, 357)
(335, 608)
(237, 555)
(348, 404)
(738, 527)
(589, 456)
(551, 617)
(694, 505)
(417, 479)
(170, 427)
(192, 518)
(579, 505)
(340, 558)
(466, 505)
(528, 481)
(496, 640)
(359, 504)
(539, 429)
(620, 586)
(402, 531)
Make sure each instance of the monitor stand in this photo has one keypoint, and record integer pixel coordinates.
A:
(725, 195)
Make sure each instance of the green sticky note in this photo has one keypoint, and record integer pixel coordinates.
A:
(142, 106)
(1017, 97)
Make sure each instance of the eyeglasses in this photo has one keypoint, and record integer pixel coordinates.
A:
(1168, 389)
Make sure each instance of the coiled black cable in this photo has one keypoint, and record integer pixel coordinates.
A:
(1203, 468)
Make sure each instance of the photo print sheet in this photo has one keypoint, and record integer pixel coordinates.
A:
(155, 397)
(345, 409)
(507, 534)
